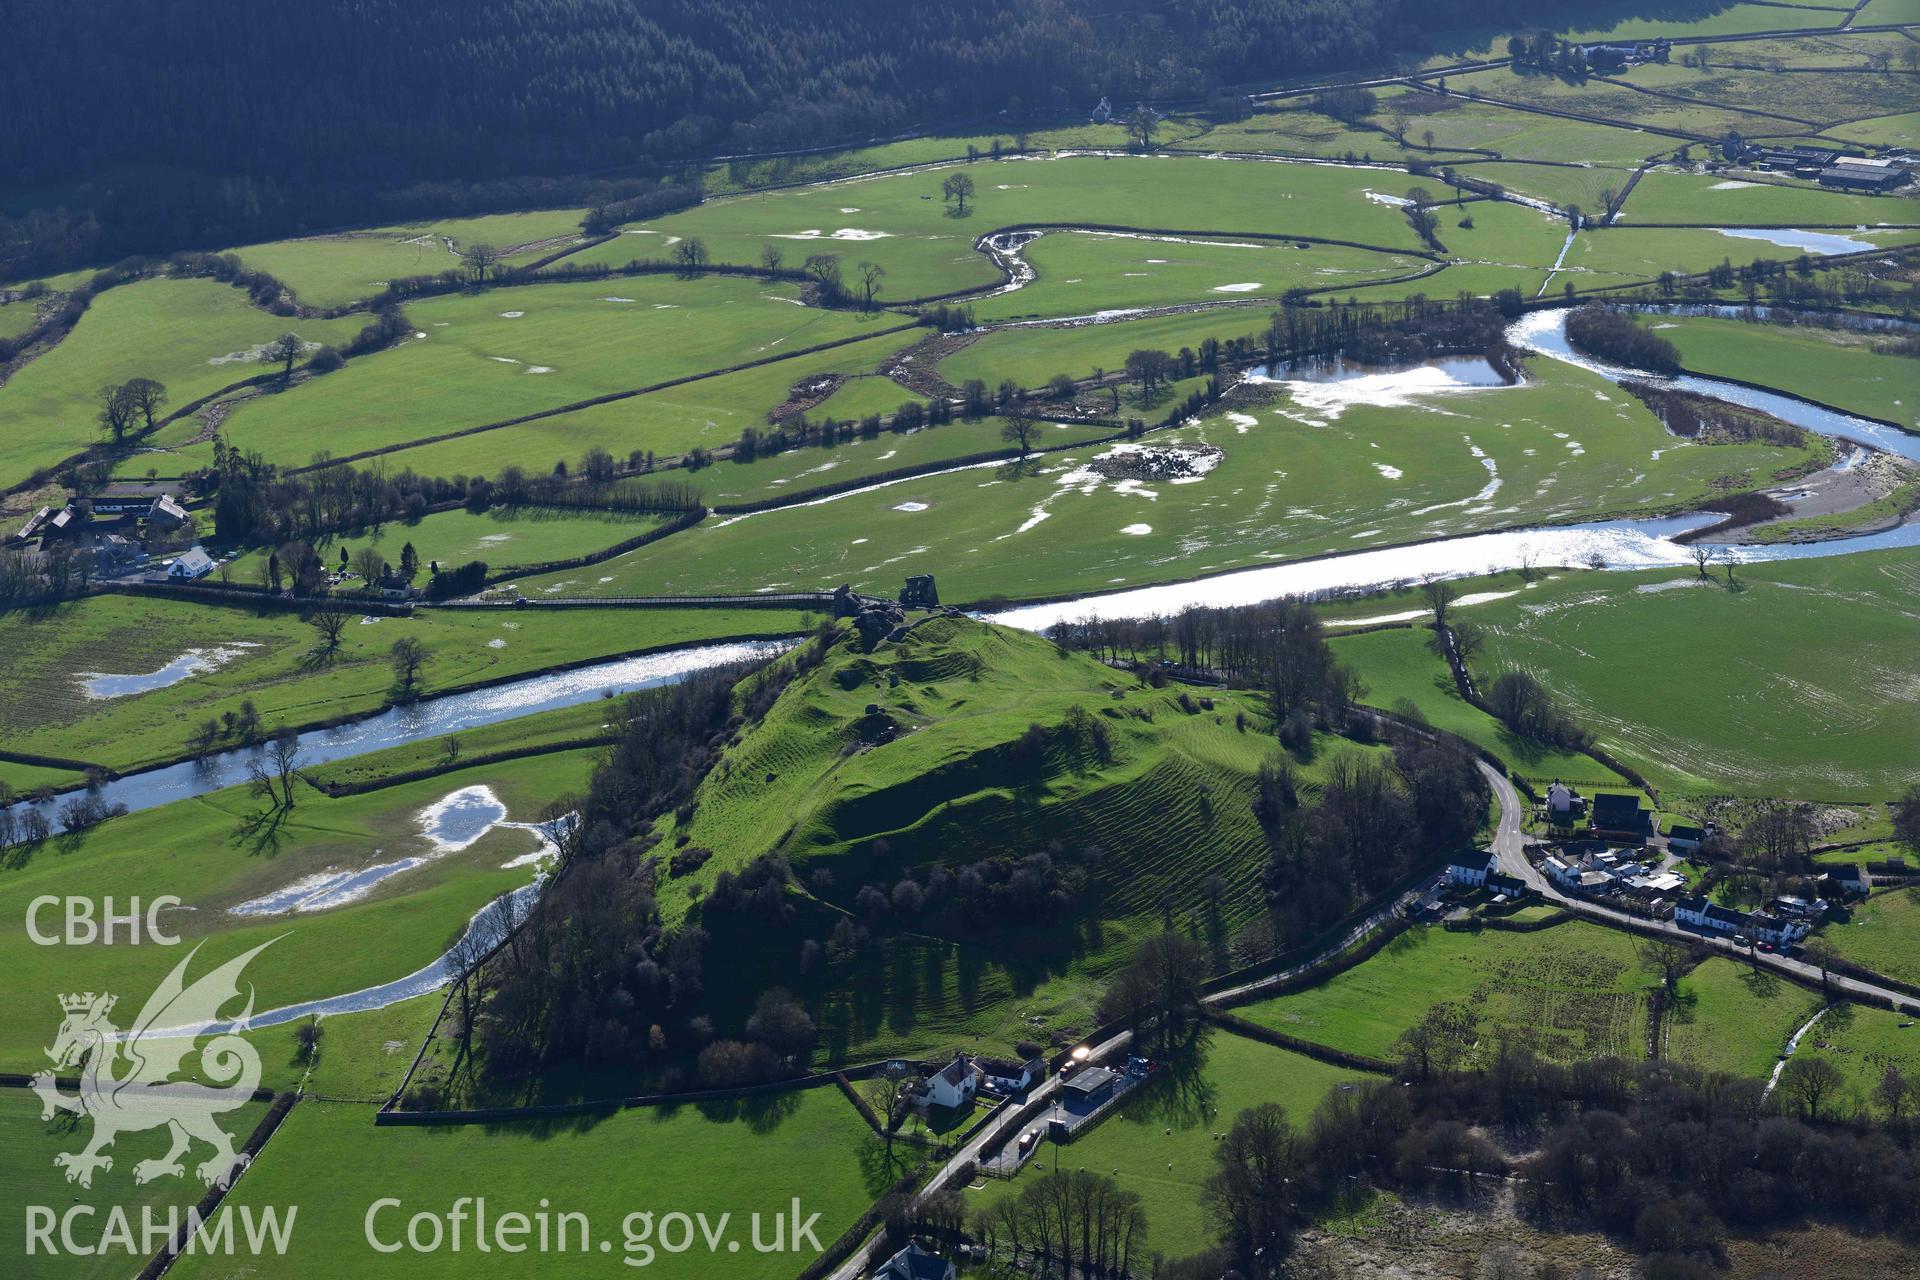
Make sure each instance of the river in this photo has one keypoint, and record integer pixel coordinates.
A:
(1621, 544)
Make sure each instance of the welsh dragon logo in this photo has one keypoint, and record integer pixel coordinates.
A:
(127, 1078)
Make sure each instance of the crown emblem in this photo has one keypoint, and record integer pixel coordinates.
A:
(82, 1003)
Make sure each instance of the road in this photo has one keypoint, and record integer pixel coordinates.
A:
(866, 1257)
(1509, 847)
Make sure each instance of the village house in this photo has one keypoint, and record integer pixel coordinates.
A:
(165, 513)
(953, 1086)
(114, 555)
(191, 565)
(1470, 871)
(1847, 880)
(915, 1263)
(1565, 806)
(1008, 1075)
(1685, 837)
(1703, 912)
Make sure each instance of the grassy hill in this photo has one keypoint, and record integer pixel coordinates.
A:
(877, 768)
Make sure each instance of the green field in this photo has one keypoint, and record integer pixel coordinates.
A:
(1031, 356)
(796, 471)
(738, 1159)
(1289, 127)
(1396, 667)
(708, 413)
(1730, 20)
(195, 336)
(502, 537)
(362, 1056)
(1826, 99)
(1883, 935)
(1161, 1141)
(18, 316)
(1616, 103)
(1295, 479)
(1835, 367)
(1561, 184)
(1569, 992)
(900, 222)
(1647, 251)
(506, 352)
(1517, 135)
(1863, 1043)
(1808, 693)
(28, 1176)
(203, 852)
(1664, 196)
(45, 654)
(1882, 131)
(331, 271)
(1085, 272)
(1732, 1018)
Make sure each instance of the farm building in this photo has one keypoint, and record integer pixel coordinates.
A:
(1618, 815)
(1684, 838)
(1088, 1084)
(1506, 886)
(1857, 173)
(133, 497)
(34, 524)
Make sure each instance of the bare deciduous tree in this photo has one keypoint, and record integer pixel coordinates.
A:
(871, 274)
(956, 191)
(283, 351)
(145, 395)
(1020, 429)
(408, 656)
(480, 259)
(330, 621)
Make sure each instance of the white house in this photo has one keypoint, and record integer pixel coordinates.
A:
(1561, 872)
(191, 565)
(1563, 804)
(1703, 912)
(1006, 1075)
(1470, 871)
(953, 1085)
(1685, 838)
